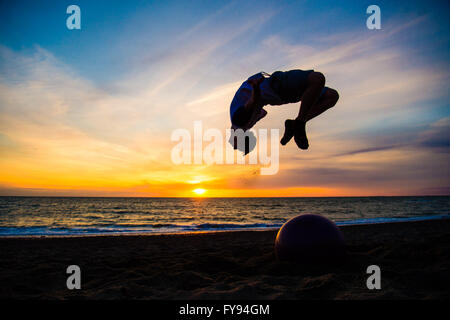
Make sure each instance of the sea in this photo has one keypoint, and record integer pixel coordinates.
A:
(68, 216)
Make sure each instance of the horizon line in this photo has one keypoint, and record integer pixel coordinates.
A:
(225, 197)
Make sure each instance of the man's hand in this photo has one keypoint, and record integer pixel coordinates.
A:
(254, 100)
(255, 82)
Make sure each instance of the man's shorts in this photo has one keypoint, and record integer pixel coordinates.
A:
(290, 85)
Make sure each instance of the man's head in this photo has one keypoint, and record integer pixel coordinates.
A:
(243, 141)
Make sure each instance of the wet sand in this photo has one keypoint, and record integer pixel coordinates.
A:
(414, 258)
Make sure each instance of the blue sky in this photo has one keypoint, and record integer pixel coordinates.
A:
(98, 51)
(137, 70)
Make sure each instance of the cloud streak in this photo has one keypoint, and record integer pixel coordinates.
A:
(61, 131)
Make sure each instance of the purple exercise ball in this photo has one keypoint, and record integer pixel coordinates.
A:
(310, 239)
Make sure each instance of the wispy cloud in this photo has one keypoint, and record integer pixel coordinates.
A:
(60, 131)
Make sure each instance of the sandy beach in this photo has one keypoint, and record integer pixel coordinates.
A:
(414, 258)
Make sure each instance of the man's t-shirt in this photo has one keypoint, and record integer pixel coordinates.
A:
(244, 93)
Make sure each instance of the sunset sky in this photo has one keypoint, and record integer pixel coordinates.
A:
(90, 112)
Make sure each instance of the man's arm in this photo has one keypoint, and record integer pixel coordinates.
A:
(252, 108)
(255, 99)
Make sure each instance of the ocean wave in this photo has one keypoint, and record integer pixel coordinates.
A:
(127, 229)
(178, 228)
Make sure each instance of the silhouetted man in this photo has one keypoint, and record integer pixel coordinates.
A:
(280, 88)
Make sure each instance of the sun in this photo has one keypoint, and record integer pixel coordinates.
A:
(199, 191)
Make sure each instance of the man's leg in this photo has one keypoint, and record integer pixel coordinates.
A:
(326, 101)
(316, 82)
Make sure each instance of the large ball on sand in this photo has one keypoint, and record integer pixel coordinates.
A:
(310, 239)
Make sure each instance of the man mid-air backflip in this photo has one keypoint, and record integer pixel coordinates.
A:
(279, 88)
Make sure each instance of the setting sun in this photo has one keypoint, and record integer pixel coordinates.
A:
(199, 191)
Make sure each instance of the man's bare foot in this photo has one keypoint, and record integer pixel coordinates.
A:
(300, 135)
(289, 130)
